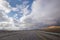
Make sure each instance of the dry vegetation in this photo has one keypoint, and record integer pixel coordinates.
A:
(52, 29)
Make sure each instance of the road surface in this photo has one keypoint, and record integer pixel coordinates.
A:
(29, 35)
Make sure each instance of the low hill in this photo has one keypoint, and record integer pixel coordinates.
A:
(53, 29)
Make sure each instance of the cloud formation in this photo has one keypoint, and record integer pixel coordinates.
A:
(43, 13)
(5, 21)
(4, 6)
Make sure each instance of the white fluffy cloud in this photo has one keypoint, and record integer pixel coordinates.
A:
(8, 22)
(4, 6)
(3, 9)
(5, 21)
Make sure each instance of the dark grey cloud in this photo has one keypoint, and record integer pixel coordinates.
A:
(44, 13)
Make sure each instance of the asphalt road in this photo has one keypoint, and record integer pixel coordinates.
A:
(29, 35)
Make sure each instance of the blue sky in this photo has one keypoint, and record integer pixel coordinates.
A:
(13, 4)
